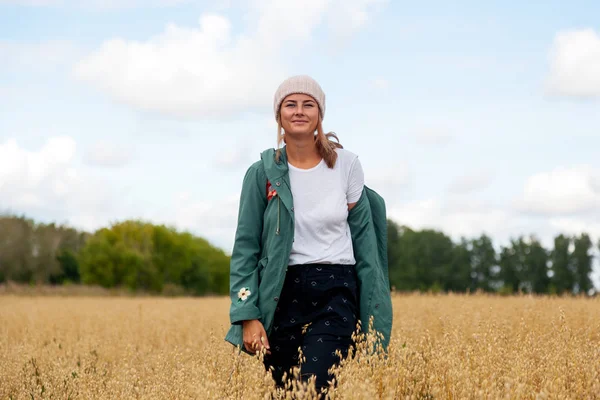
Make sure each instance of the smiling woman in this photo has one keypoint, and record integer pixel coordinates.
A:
(306, 266)
(302, 112)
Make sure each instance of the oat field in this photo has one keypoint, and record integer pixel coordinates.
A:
(443, 347)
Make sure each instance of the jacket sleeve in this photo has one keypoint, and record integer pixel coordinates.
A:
(371, 268)
(243, 276)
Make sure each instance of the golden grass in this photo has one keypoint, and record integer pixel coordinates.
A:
(443, 347)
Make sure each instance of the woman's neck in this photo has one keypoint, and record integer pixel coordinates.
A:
(302, 153)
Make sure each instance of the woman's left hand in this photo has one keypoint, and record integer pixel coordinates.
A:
(255, 336)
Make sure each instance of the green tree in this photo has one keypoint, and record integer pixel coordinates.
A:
(139, 255)
(45, 244)
(171, 253)
(426, 260)
(483, 260)
(121, 256)
(459, 277)
(402, 272)
(216, 263)
(536, 267)
(99, 260)
(16, 249)
(430, 255)
(393, 253)
(582, 262)
(69, 268)
(208, 271)
(563, 275)
(512, 261)
(72, 241)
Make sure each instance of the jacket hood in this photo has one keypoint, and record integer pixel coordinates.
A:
(274, 169)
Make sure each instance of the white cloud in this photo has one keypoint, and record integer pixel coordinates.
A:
(391, 182)
(27, 178)
(561, 191)
(216, 220)
(47, 183)
(575, 63)
(576, 226)
(106, 154)
(465, 218)
(282, 21)
(349, 16)
(207, 70)
(40, 56)
(470, 183)
(186, 72)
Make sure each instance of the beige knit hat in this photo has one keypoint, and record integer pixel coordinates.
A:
(299, 84)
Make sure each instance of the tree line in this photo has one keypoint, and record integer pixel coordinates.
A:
(131, 254)
(141, 256)
(428, 260)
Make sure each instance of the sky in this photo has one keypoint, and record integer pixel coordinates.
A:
(471, 117)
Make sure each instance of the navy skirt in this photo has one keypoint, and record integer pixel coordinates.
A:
(317, 312)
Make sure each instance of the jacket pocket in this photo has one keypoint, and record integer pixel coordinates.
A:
(262, 264)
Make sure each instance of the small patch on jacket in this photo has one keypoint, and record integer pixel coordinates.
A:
(270, 191)
(243, 294)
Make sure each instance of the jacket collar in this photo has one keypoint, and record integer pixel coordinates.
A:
(275, 169)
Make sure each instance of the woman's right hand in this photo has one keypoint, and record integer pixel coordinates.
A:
(255, 337)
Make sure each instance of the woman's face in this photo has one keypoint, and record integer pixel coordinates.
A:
(299, 114)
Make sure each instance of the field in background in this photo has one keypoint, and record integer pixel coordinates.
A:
(447, 346)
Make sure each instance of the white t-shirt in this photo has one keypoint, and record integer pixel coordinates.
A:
(321, 196)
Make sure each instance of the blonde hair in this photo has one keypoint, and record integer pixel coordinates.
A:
(325, 146)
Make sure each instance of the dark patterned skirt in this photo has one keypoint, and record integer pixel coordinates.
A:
(317, 312)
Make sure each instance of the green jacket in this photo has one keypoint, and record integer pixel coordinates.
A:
(263, 242)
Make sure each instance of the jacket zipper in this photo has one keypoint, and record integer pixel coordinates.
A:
(278, 212)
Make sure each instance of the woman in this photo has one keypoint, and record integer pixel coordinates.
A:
(309, 258)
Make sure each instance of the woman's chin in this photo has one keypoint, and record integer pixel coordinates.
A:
(299, 133)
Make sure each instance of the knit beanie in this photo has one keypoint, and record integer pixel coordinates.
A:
(299, 84)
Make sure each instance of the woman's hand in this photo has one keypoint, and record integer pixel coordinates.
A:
(255, 337)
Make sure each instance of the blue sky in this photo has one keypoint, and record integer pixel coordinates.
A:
(467, 117)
